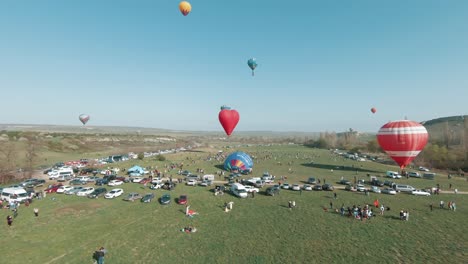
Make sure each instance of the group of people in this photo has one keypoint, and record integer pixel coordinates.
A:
(451, 205)
(358, 212)
(99, 255)
(404, 215)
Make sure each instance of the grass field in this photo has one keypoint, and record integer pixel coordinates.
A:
(258, 230)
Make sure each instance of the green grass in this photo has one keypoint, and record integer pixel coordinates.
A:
(257, 230)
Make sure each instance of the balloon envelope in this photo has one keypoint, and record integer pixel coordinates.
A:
(373, 110)
(185, 7)
(252, 63)
(84, 118)
(402, 140)
(228, 119)
(238, 161)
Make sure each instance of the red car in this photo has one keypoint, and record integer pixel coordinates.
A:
(145, 180)
(53, 188)
(182, 199)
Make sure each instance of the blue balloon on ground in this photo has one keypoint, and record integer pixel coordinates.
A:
(238, 161)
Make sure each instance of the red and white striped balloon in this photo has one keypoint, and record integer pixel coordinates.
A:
(402, 140)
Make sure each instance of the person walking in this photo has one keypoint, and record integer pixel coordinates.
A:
(293, 204)
(431, 206)
(382, 209)
(331, 204)
(441, 204)
(290, 205)
(9, 220)
(36, 212)
(334, 195)
(101, 254)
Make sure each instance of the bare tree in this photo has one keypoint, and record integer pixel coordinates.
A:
(31, 156)
(8, 154)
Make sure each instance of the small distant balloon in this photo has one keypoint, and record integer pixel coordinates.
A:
(373, 110)
(84, 118)
(252, 65)
(185, 8)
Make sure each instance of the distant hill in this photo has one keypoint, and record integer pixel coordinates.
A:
(452, 129)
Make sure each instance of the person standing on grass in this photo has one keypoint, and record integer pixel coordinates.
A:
(431, 206)
(382, 209)
(334, 195)
(441, 204)
(36, 212)
(331, 204)
(101, 253)
(9, 220)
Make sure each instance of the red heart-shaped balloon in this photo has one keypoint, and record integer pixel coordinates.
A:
(228, 119)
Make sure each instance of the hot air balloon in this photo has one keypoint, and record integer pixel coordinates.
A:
(252, 64)
(373, 110)
(185, 7)
(402, 140)
(228, 118)
(84, 118)
(238, 161)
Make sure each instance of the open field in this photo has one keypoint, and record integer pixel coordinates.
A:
(258, 230)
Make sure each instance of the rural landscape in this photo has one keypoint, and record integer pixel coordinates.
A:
(233, 132)
(259, 229)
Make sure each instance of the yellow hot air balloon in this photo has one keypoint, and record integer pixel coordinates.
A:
(185, 7)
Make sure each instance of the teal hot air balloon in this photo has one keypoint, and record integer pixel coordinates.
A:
(252, 64)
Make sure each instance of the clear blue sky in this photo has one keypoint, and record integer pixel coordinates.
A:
(322, 64)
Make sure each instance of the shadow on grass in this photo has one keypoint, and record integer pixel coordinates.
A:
(219, 166)
(334, 167)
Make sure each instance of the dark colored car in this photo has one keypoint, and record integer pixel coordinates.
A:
(76, 182)
(376, 182)
(273, 190)
(97, 192)
(35, 183)
(327, 187)
(145, 180)
(47, 171)
(344, 182)
(317, 188)
(147, 198)
(311, 180)
(101, 181)
(182, 199)
(165, 199)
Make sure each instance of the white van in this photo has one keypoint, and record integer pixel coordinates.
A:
(393, 175)
(64, 171)
(208, 177)
(14, 194)
(239, 190)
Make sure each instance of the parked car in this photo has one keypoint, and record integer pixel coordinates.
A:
(376, 182)
(361, 188)
(423, 169)
(77, 182)
(328, 187)
(388, 191)
(285, 186)
(295, 187)
(115, 183)
(147, 198)
(74, 190)
(101, 181)
(97, 192)
(64, 188)
(165, 199)
(421, 192)
(317, 188)
(307, 187)
(250, 189)
(132, 197)
(53, 188)
(344, 182)
(185, 173)
(375, 189)
(85, 191)
(192, 183)
(136, 179)
(145, 180)
(414, 174)
(182, 199)
(206, 183)
(36, 183)
(273, 190)
(311, 180)
(114, 193)
(350, 188)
